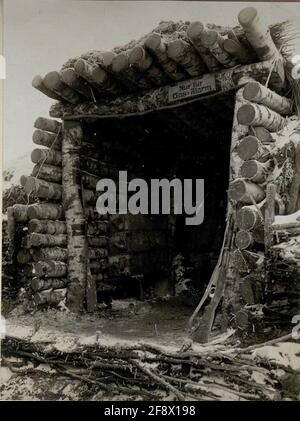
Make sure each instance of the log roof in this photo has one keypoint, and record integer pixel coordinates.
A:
(175, 63)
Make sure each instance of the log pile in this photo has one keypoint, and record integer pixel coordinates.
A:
(263, 188)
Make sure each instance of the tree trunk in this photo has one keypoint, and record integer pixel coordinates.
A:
(46, 156)
(45, 211)
(75, 217)
(47, 172)
(184, 54)
(53, 81)
(51, 269)
(46, 240)
(250, 217)
(51, 297)
(255, 92)
(257, 34)
(235, 49)
(47, 227)
(11, 230)
(20, 213)
(97, 76)
(48, 124)
(158, 48)
(294, 190)
(256, 171)
(251, 148)
(38, 284)
(49, 253)
(43, 189)
(50, 140)
(259, 115)
(70, 78)
(37, 83)
(194, 32)
(143, 63)
(214, 42)
(245, 192)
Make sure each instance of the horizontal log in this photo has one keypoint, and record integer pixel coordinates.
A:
(185, 54)
(84, 69)
(245, 261)
(49, 253)
(48, 125)
(46, 156)
(51, 269)
(156, 44)
(97, 253)
(89, 181)
(97, 76)
(260, 94)
(47, 227)
(92, 214)
(46, 240)
(52, 80)
(259, 115)
(251, 148)
(257, 34)
(98, 168)
(143, 62)
(99, 241)
(105, 288)
(46, 172)
(250, 217)
(50, 297)
(38, 83)
(49, 140)
(245, 192)
(20, 213)
(45, 211)
(256, 171)
(262, 134)
(212, 40)
(138, 222)
(194, 33)
(237, 50)
(38, 284)
(287, 221)
(43, 189)
(70, 78)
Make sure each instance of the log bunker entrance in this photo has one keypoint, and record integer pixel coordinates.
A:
(187, 102)
(147, 252)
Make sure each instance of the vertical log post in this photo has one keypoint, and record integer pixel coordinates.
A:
(75, 218)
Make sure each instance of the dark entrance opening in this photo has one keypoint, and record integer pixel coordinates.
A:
(188, 141)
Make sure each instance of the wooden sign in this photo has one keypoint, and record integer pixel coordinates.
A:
(194, 87)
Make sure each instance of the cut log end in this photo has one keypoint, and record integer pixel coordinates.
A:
(243, 239)
(209, 38)
(79, 66)
(120, 63)
(52, 80)
(176, 48)
(153, 41)
(194, 30)
(69, 76)
(246, 114)
(246, 218)
(247, 147)
(107, 58)
(251, 90)
(247, 16)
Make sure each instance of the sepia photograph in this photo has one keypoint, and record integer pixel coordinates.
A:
(150, 203)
